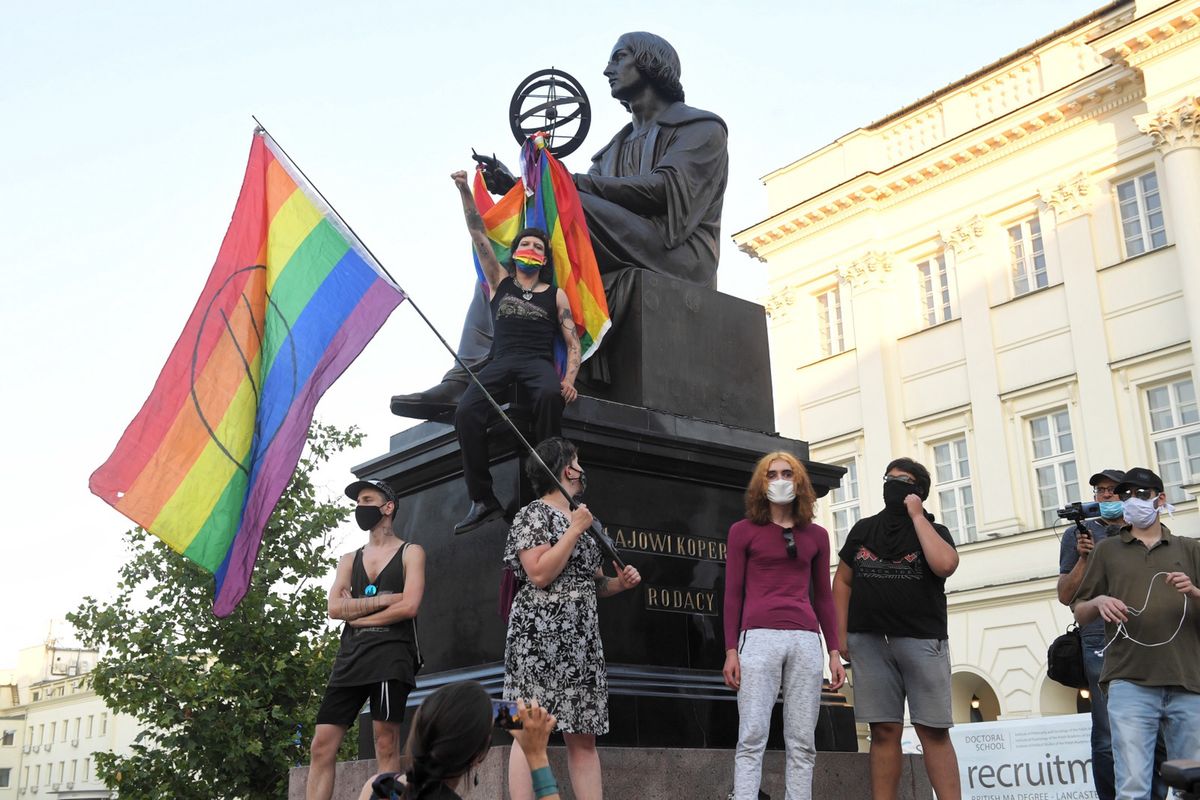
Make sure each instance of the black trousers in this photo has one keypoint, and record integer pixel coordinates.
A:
(540, 382)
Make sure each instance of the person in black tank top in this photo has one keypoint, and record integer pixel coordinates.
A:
(527, 312)
(377, 591)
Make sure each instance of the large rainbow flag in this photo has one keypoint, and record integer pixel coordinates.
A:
(292, 299)
(546, 198)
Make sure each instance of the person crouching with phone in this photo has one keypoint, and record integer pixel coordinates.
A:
(553, 651)
(451, 735)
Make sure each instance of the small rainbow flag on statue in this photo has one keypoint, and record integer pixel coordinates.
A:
(292, 300)
(546, 198)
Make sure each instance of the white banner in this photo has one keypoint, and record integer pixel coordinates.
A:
(1041, 758)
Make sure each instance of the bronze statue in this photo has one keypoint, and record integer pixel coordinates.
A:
(652, 198)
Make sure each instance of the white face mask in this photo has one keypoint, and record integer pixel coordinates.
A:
(781, 491)
(1140, 513)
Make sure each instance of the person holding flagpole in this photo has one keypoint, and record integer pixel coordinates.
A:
(528, 312)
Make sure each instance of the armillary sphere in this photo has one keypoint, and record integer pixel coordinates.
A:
(552, 101)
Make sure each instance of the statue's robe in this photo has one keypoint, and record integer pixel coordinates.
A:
(653, 199)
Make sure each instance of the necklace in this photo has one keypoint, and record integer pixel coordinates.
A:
(526, 294)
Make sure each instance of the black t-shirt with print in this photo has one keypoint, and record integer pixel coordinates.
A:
(896, 596)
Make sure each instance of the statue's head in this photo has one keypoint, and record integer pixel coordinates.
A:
(655, 60)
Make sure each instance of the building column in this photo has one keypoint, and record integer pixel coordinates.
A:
(1175, 131)
(1070, 240)
(995, 511)
(875, 348)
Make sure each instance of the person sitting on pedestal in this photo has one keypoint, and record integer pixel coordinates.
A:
(527, 313)
(652, 198)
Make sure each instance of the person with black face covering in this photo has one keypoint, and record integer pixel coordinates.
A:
(377, 591)
(890, 593)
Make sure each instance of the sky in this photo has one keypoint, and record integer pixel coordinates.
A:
(124, 132)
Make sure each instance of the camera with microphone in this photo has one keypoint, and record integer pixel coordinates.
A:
(1077, 512)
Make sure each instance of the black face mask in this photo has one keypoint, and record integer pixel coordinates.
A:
(578, 496)
(368, 517)
(894, 493)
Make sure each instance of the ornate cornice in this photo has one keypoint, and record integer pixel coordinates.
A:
(1145, 39)
(870, 269)
(1070, 198)
(952, 159)
(964, 238)
(1173, 128)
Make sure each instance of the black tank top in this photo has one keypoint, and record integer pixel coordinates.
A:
(389, 652)
(523, 326)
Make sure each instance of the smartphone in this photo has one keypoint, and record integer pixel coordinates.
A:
(505, 715)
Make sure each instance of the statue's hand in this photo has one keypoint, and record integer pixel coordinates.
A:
(496, 176)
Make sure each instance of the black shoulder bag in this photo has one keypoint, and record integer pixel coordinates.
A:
(1064, 659)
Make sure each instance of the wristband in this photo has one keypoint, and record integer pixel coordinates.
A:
(544, 784)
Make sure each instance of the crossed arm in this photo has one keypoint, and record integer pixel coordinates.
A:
(385, 609)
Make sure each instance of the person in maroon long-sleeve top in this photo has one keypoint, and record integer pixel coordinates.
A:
(774, 557)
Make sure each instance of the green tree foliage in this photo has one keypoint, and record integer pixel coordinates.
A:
(221, 701)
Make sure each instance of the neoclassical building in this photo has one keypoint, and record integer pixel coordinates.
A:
(1002, 280)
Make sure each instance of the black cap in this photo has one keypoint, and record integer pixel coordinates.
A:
(1140, 478)
(353, 489)
(1114, 475)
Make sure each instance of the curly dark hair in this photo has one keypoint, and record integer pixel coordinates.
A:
(918, 471)
(558, 453)
(657, 60)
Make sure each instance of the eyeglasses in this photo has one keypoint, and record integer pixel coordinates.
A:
(789, 538)
(1140, 494)
(1099, 490)
(900, 479)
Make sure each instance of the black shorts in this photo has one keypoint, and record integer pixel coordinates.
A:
(342, 703)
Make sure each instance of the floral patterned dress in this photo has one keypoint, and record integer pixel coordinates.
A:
(553, 651)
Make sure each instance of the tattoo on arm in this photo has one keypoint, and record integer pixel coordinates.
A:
(483, 246)
(574, 349)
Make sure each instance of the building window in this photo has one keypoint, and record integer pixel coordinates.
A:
(1175, 434)
(9, 739)
(830, 330)
(64, 729)
(87, 770)
(91, 719)
(53, 728)
(37, 774)
(4, 777)
(955, 498)
(1027, 257)
(1053, 463)
(1142, 222)
(843, 502)
(74, 769)
(935, 290)
(104, 724)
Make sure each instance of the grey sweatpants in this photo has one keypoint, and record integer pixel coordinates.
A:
(770, 660)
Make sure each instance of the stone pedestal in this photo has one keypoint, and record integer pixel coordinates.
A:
(656, 774)
(688, 350)
(667, 469)
(666, 488)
